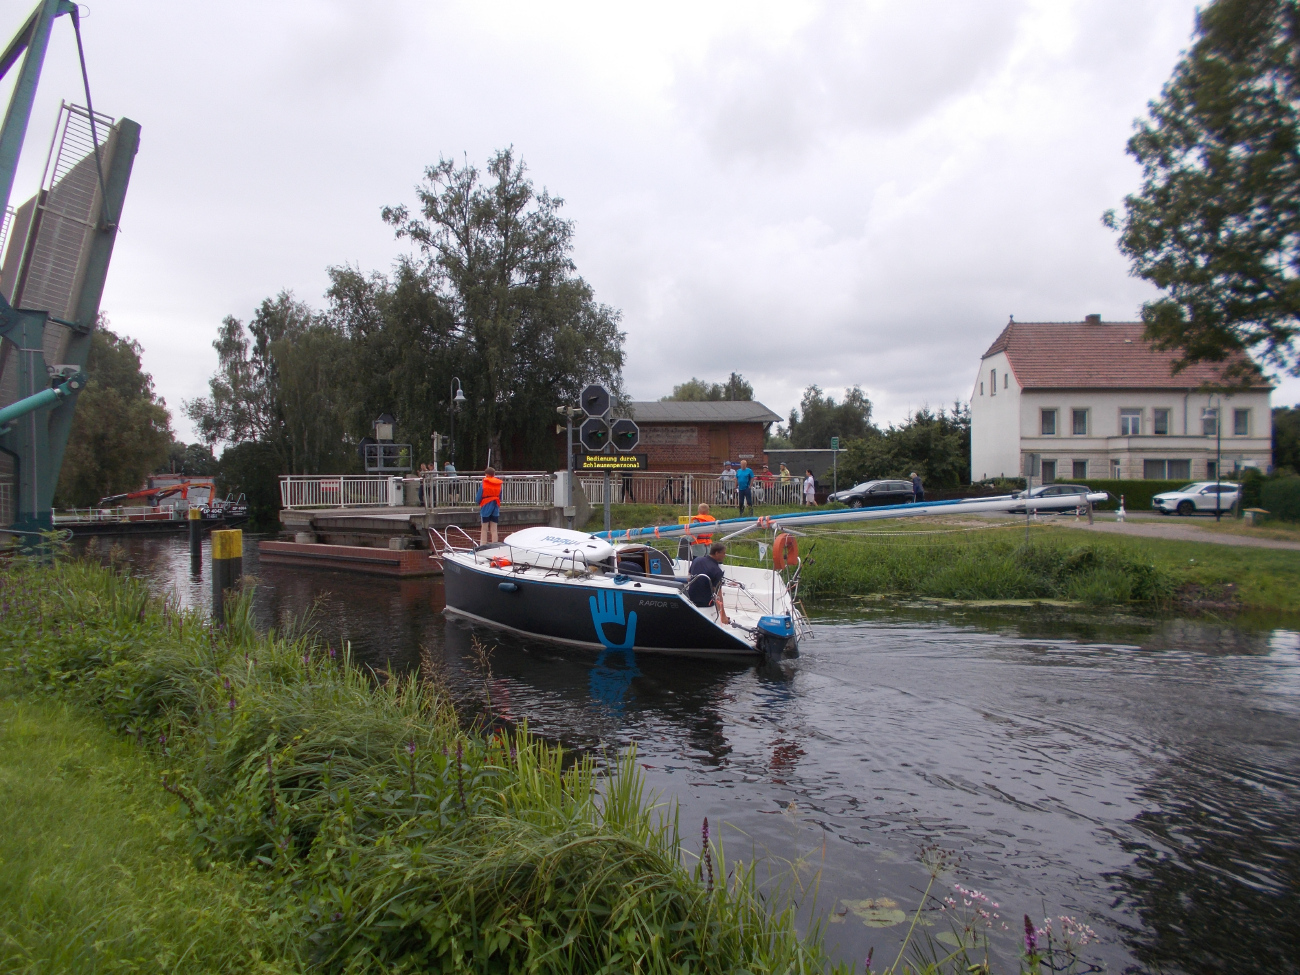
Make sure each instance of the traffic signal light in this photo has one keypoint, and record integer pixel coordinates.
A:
(595, 400)
(594, 435)
(625, 435)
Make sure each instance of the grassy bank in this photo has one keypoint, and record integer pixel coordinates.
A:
(329, 825)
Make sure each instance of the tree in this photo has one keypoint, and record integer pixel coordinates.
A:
(1286, 438)
(529, 332)
(699, 391)
(120, 430)
(191, 460)
(935, 445)
(1216, 224)
(819, 418)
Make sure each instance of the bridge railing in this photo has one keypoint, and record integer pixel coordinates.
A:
(461, 490)
(686, 489)
(333, 491)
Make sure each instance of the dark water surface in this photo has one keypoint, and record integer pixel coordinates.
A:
(1139, 774)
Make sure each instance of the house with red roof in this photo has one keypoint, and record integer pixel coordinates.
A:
(1094, 399)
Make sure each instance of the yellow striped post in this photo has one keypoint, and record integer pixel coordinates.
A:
(227, 568)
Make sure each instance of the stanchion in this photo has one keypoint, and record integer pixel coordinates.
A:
(196, 541)
(227, 568)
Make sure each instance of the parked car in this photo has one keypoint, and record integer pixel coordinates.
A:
(1198, 496)
(872, 493)
(1060, 497)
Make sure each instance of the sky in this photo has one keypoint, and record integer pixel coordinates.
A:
(804, 193)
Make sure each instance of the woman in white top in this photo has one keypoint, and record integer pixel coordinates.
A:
(809, 489)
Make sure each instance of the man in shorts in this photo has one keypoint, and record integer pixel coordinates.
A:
(489, 505)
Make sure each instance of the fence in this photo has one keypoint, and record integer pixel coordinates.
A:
(689, 490)
(6, 502)
(89, 516)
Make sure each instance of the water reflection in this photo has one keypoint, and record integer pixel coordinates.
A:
(1140, 773)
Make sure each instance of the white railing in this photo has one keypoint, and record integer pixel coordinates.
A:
(88, 516)
(688, 490)
(332, 491)
(461, 490)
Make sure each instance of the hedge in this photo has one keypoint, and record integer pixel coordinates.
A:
(1137, 494)
(1280, 497)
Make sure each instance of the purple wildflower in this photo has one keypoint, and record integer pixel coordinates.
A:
(1031, 937)
(410, 747)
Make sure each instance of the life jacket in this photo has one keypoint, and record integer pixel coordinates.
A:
(701, 519)
(491, 491)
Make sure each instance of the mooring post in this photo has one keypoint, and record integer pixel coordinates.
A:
(227, 568)
(196, 541)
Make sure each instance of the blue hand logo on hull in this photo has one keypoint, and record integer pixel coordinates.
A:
(607, 607)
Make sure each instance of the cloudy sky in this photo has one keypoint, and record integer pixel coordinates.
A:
(839, 194)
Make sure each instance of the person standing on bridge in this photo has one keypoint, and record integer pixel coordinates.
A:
(744, 478)
(489, 505)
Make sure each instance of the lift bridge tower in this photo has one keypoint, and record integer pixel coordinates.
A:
(56, 250)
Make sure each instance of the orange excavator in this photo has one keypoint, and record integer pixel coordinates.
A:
(152, 497)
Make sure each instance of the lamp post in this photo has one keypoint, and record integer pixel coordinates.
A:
(456, 396)
(1217, 412)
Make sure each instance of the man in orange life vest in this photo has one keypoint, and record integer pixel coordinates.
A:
(489, 505)
(703, 516)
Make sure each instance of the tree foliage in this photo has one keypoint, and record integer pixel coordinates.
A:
(819, 418)
(1216, 223)
(1286, 437)
(526, 331)
(120, 431)
(935, 445)
(699, 391)
(191, 460)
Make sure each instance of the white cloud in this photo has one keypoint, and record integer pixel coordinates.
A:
(804, 193)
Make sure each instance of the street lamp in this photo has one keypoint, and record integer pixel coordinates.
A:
(457, 396)
(1216, 412)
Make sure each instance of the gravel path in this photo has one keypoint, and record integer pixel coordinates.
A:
(1182, 531)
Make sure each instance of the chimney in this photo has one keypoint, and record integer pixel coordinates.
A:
(1092, 319)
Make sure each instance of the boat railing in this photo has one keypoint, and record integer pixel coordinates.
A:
(453, 538)
(687, 489)
(90, 516)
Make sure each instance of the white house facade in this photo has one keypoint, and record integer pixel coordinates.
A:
(1094, 400)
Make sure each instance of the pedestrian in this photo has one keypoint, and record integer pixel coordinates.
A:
(918, 492)
(702, 516)
(809, 488)
(628, 495)
(744, 477)
(489, 505)
(705, 586)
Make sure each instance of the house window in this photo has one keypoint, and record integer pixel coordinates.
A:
(1160, 422)
(1241, 423)
(1080, 470)
(981, 389)
(1130, 423)
(1049, 423)
(1211, 470)
(1167, 470)
(1114, 469)
(1210, 423)
(1049, 471)
(1080, 423)
(993, 382)
(1006, 378)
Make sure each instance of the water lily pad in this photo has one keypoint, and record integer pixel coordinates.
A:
(952, 940)
(877, 912)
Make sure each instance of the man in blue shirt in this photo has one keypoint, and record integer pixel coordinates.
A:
(744, 477)
(706, 580)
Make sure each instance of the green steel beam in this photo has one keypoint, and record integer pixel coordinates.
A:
(45, 397)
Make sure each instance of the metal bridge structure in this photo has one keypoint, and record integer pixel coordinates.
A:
(57, 247)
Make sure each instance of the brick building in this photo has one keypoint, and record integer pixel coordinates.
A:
(702, 436)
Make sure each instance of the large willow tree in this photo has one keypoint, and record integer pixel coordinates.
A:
(524, 331)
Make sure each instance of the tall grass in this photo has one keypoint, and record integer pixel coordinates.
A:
(382, 835)
(1000, 567)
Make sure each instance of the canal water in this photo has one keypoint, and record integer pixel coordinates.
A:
(1141, 775)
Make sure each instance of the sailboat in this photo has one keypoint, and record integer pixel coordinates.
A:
(616, 590)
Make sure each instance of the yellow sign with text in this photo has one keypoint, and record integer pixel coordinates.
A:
(612, 462)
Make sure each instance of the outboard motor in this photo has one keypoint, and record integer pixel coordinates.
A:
(776, 636)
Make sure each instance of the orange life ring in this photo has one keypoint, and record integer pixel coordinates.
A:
(785, 551)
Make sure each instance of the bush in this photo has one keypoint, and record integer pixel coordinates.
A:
(1280, 497)
(1137, 494)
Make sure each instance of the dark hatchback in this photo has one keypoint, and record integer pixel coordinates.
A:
(871, 493)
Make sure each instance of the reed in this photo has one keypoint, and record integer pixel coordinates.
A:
(999, 567)
(382, 835)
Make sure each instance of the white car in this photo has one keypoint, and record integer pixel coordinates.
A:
(1198, 496)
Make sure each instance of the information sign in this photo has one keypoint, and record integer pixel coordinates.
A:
(612, 462)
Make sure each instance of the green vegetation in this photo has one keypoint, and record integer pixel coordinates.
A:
(334, 826)
(1137, 494)
(699, 391)
(1280, 497)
